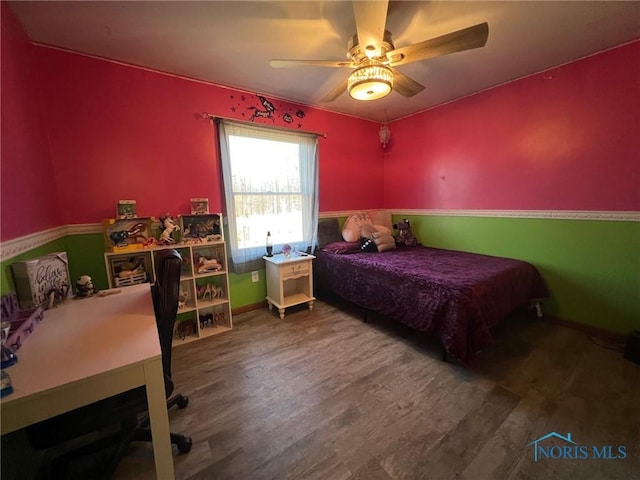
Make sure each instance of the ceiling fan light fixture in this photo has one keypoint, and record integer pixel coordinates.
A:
(370, 82)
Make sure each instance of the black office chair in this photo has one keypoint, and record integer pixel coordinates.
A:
(123, 409)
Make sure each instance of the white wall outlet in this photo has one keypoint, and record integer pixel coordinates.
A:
(255, 276)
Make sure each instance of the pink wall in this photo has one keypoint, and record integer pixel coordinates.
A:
(104, 131)
(28, 195)
(119, 132)
(566, 139)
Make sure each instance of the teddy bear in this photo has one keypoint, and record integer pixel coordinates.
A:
(405, 238)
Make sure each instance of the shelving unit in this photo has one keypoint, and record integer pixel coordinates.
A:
(204, 307)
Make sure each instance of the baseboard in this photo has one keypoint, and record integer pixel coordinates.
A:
(612, 337)
(248, 308)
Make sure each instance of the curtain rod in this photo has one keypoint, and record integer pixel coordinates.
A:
(212, 117)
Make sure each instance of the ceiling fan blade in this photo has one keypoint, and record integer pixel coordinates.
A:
(405, 86)
(336, 92)
(465, 39)
(311, 63)
(371, 17)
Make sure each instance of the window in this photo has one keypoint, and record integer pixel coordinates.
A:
(270, 180)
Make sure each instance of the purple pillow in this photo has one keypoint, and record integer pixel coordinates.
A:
(342, 247)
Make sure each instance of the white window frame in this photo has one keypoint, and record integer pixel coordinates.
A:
(247, 258)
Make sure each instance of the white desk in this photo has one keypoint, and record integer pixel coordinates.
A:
(84, 351)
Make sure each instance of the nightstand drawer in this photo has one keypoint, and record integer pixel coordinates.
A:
(295, 269)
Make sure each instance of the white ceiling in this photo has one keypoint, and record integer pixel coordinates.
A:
(231, 43)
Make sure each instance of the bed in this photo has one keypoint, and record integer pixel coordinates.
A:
(454, 296)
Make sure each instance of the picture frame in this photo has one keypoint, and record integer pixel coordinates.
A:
(126, 209)
(199, 206)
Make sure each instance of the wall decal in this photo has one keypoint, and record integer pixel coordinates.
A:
(261, 107)
(268, 106)
(260, 114)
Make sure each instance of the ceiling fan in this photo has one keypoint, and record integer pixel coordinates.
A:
(373, 56)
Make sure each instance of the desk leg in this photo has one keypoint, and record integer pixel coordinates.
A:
(159, 420)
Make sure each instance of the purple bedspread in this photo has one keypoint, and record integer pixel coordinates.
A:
(455, 296)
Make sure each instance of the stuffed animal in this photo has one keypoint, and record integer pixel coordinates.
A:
(405, 238)
(376, 238)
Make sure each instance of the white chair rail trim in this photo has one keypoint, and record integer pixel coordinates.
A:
(631, 216)
(16, 246)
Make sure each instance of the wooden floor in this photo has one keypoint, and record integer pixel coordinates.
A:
(322, 395)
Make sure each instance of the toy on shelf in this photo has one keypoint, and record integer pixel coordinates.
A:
(121, 235)
(186, 328)
(206, 319)
(201, 228)
(183, 297)
(169, 226)
(199, 206)
(206, 265)
(211, 291)
(126, 209)
(128, 270)
(221, 318)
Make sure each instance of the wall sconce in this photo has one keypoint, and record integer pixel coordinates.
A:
(384, 134)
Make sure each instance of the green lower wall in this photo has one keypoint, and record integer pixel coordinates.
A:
(592, 268)
(244, 291)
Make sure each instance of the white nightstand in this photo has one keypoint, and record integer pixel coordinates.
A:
(289, 281)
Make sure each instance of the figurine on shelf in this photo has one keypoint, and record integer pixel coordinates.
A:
(208, 265)
(169, 226)
(151, 242)
(185, 328)
(131, 273)
(120, 237)
(208, 291)
(203, 227)
(199, 206)
(183, 296)
(127, 209)
(206, 319)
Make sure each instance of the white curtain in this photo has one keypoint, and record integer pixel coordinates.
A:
(270, 179)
